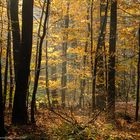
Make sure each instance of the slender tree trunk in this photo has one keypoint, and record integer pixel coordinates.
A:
(92, 63)
(2, 127)
(97, 55)
(38, 40)
(10, 56)
(138, 81)
(7, 55)
(83, 80)
(112, 50)
(64, 64)
(47, 75)
(6, 69)
(54, 91)
(100, 56)
(11, 78)
(38, 37)
(2, 130)
(20, 115)
(39, 63)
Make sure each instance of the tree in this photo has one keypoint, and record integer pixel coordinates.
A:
(9, 59)
(111, 65)
(19, 114)
(15, 32)
(47, 76)
(2, 129)
(92, 62)
(37, 73)
(64, 64)
(7, 55)
(85, 60)
(138, 78)
(99, 56)
(11, 77)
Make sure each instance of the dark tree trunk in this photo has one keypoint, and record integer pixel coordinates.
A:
(20, 115)
(99, 57)
(101, 97)
(15, 33)
(138, 80)
(111, 67)
(37, 73)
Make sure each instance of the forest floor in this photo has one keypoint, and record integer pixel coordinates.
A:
(77, 125)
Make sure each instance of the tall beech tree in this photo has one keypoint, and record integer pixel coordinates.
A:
(19, 114)
(111, 65)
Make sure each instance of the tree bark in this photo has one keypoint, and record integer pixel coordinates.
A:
(15, 33)
(19, 114)
(112, 50)
(138, 81)
(99, 57)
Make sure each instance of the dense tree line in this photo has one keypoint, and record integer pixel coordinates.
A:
(81, 60)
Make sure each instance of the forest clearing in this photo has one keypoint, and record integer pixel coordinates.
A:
(70, 69)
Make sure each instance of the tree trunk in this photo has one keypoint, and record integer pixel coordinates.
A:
(54, 91)
(112, 50)
(20, 115)
(2, 130)
(37, 73)
(6, 69)
(15, 33)
(83, 80)
(99, 57)
(138, 81)
(10, 57)
(92, 63)
(11, 78)
(64, 57)
(7, 54)
(47, 73)
(101, 97)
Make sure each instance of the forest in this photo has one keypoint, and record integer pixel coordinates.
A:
(70, 69)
